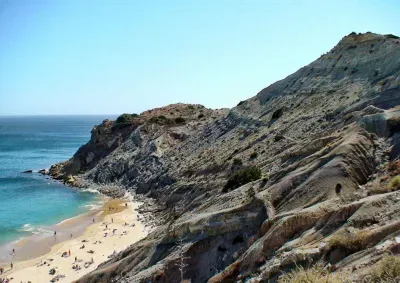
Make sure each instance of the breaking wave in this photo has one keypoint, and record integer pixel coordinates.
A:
(35, 230)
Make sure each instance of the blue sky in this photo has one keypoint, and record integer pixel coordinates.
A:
(110, 57)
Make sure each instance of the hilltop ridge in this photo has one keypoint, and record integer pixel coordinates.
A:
(289, 177)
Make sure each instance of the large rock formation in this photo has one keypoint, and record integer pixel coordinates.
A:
(324, 138)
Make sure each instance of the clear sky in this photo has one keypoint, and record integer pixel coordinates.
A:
(110, 57)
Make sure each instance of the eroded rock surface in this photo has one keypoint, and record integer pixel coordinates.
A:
(324, 138)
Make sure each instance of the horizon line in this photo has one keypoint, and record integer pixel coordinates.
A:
(25, 115)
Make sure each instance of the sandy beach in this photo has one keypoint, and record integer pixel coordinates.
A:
(115, 227)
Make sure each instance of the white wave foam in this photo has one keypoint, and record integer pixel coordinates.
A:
(93, 206)
(89, 190)
(34, 230)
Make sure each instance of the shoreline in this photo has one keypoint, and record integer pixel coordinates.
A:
(92, 243)
(38, 244)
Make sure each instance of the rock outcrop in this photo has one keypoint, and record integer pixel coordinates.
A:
(324, 138)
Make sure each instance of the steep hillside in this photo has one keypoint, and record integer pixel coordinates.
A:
(325, 139)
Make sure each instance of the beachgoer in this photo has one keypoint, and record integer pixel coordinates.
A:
(112, 220)
(71, 235)
(13, 251)
(69, 252)
(12, 265)
(106, 226)
(93, 219)
(55, 233)
(76, 259)
(126, 205)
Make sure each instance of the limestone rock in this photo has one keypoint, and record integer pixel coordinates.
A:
(332, 124)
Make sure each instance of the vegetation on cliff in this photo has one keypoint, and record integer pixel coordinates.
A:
(241, 178)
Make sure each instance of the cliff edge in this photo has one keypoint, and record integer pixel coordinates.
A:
(305, 171)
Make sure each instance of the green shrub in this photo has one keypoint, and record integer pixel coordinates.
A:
(161, 120)
(200, 116)
(126, 118)
(241, 178)
(237, 162)
(241, 102)
(180, 120)
(391, 36)
(277, 114)
(253, 155)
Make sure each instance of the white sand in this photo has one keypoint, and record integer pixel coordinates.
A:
(33, 271)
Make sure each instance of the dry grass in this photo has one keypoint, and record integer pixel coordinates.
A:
(394, 167)
(394, 183)
(350, 242)
(386, 270)
(377, 187)
(315, 274)
(383, 187)
(377, 190)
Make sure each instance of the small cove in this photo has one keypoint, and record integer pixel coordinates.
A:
(31, 204)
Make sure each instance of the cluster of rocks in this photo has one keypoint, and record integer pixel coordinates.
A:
(41, 171)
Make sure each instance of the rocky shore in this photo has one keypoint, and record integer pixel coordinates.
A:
(306, 171)
(113, 191)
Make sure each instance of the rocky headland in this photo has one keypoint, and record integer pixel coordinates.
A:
(305, 172)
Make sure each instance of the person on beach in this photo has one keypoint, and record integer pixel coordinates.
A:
(71, 235)
(13, 251)
(55, 233)
(11, 265)
(112, 220)
(126, 204)
(76, 258)
(69, 252)
(1, 270)
(93, 219)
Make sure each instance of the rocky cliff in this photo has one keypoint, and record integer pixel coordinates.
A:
(303, 172)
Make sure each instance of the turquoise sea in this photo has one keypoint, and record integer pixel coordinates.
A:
(29, 203)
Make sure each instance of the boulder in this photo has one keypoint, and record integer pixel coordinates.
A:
(69, 180)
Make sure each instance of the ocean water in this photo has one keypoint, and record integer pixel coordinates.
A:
(29, 203)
